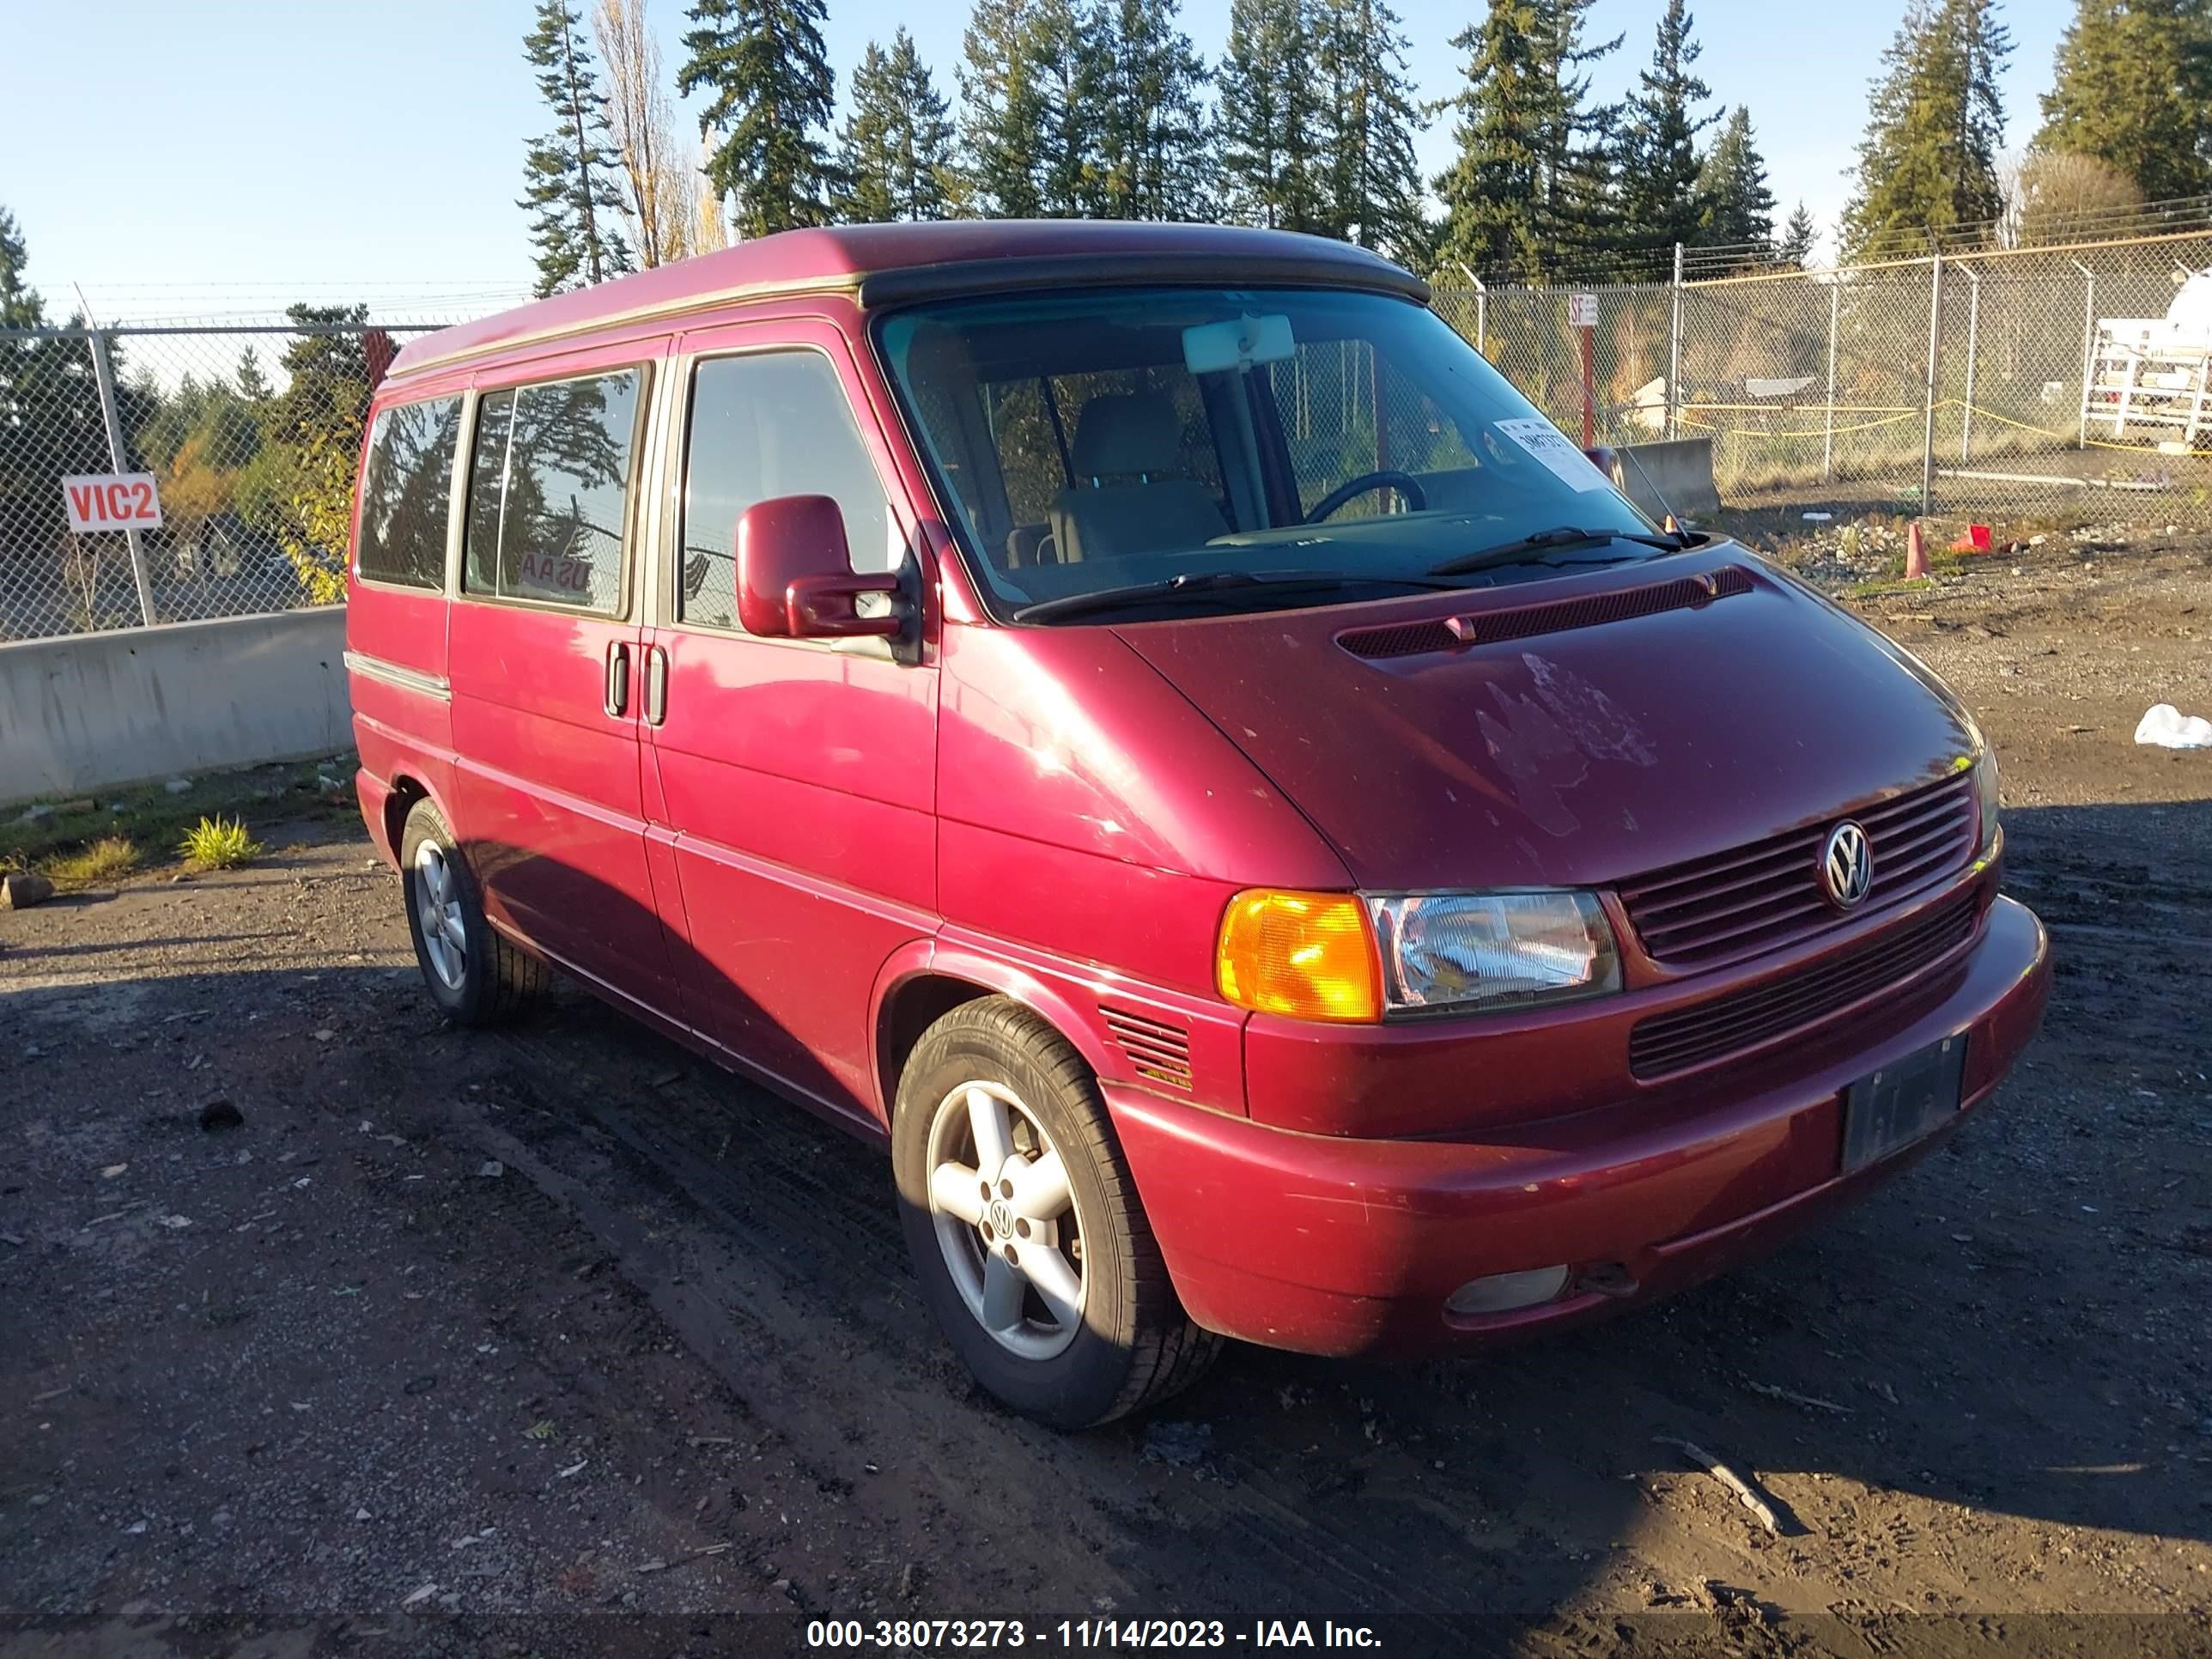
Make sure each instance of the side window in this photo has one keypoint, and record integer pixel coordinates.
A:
(549, 491)
(406, 491)
(764, 426)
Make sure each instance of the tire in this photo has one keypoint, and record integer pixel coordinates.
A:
(1122, 1341)
(476, 975)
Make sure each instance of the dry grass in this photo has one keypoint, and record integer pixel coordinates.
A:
(109, 859)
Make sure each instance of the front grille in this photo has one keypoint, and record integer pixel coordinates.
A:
(1157, 1051)
(1750, 899)
(1526, 621)
(1667, 1044)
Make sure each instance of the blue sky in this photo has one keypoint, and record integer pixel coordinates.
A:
(234, 162)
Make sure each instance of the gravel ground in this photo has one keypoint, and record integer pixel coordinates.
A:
(557, 1338)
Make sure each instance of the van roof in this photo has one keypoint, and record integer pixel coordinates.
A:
(882, 265)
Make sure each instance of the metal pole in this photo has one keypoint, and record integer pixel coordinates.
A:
(1675, 352)
(1481, 307)
(1928, 435)
(1828, 436)
(1974, 336)
(2088, 345)
(104, 376)
(1589, 388)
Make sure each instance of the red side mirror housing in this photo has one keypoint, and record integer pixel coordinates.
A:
(795, 577)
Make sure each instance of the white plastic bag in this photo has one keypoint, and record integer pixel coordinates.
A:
(2166, 726)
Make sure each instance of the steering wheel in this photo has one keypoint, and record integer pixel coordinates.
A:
(1389, 478)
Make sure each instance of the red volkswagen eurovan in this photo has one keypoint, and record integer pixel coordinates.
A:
(1147, 723)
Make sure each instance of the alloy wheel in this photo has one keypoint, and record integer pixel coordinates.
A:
(1006, 1219)
(438, 914)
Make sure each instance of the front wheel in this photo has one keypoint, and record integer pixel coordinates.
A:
(1026, 1227)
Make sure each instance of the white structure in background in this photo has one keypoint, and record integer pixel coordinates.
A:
(1647, 408)
(2152, 371)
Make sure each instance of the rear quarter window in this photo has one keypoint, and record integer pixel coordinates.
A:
(549, 491)
(405, 493)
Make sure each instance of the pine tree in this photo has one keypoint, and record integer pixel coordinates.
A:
(1928, 163)
(771, 94)
(1154, 158)
(1737, 206)
(1074, 63)
(2134, 89)
(253, 384)
(20, 304)
(1796, 247)
(1659, 163)
(572, 173)
(1370, 117)
(1002, 110)
(1032, 84)
(895, 160)
(1268, 117)
(1527, 193)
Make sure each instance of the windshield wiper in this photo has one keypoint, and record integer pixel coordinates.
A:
(1565, 535)
(1200, 584)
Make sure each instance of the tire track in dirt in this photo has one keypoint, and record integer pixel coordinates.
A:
(792, 1228)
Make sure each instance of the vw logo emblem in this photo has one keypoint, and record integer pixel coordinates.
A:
(1847, 865)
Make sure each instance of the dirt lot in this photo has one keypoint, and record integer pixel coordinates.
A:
(454, 1332)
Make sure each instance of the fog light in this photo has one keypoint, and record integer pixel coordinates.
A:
(1503, 1293)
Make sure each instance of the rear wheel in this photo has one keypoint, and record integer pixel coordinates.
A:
(478, 977)
(1025, 1225)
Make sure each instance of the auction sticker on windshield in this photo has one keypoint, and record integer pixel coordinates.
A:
(1545, 441)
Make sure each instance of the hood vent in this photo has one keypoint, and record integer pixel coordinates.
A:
(1525, 621)
(1160, 1053)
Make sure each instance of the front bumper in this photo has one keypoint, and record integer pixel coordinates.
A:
(1333, 1245)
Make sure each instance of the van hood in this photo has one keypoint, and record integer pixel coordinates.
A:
(1572, 754)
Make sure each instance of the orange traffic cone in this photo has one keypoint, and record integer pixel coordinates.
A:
(1916, 554)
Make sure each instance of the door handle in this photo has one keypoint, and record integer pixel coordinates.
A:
(656, 685)
(616, 699)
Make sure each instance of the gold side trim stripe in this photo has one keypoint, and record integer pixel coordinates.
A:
(397, 674)
(660, 311)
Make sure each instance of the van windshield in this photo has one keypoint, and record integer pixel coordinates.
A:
(1181, 440)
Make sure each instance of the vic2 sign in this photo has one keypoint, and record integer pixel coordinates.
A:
(112, 501)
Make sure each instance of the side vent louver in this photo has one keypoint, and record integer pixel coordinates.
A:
(1160, 1053)
(1525, 621)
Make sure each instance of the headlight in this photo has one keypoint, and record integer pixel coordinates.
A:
(1473, 950)
(1985, 798)
(1357, 958)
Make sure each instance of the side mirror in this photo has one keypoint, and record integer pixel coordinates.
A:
(1607, 460)
(795, 577)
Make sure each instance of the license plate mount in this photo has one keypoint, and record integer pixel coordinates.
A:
(1889, 1109)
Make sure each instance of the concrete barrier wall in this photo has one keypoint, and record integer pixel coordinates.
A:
(91, 711)
(1678, 474)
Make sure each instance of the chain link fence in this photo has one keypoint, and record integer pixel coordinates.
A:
(2064, 383)
(2046, 382)
(250, 432)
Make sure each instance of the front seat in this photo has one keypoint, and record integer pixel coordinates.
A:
(1124, 499)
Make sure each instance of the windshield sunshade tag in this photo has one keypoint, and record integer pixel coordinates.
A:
(1544, 441)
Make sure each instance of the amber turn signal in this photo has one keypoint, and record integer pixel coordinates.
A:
(1310, 956)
